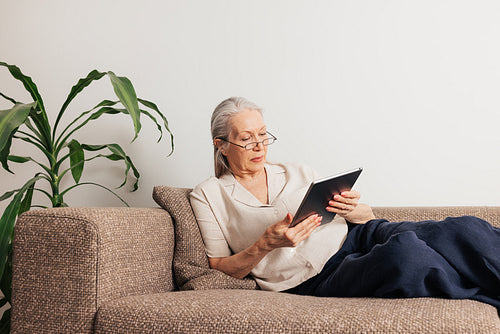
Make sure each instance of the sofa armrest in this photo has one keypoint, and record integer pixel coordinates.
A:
(68, 261)
(489, 213)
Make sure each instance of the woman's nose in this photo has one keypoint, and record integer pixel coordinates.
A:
(259, 146)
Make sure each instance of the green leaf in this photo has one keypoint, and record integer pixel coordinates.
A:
(42, 124)
(8, 194)
(153, 106)
(158, 126)
(111, 111)
(76, 159)
(105, 110)
(27, 82)
(6, 283)
(117, 154)
(97, 185)
(104, 103)
(40, 119)
(118, 151)
(6, 280)
(4, 155)
(8, 98)
(28, 197)
(11, 119)
(39, 146)
(75, 90)
(126, 94)
(19, 159)
(114, 157)
(93, 148)
(30, 126)
(8, 219)
(7, 222)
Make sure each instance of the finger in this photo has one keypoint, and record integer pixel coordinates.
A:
(305, 232)
(308, 233)
(337, 211)
(312, 223)
(340, 208)
(351, 194)
(308, 223)
(287, 220)
(342, 205)
(348, 198)
(292, 232)
(343, 200)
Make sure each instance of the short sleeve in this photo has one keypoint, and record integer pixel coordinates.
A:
(312, 173)
(307, 173)
(213, 238)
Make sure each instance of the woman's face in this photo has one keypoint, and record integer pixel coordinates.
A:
(247, 126)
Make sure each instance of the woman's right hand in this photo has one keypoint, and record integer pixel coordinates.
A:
(280, 235)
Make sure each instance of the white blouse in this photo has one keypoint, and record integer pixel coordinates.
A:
(231, 219)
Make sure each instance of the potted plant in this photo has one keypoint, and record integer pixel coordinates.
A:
(63, 154)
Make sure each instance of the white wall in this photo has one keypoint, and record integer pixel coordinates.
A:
(407, 89)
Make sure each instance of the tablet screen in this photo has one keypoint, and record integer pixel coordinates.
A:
(320, 192)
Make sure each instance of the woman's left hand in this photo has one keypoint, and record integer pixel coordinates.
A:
(346, 206)
(344, 203)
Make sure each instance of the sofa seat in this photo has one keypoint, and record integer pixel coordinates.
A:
(252, 311)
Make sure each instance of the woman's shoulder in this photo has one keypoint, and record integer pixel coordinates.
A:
(295, 169)
(213, 184)
(206, 184)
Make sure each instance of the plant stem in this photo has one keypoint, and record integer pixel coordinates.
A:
(57, 198)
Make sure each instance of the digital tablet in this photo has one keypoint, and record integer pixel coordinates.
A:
(320, 192)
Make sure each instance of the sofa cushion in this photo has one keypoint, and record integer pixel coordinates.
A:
(246, 311)
(190, 264)
(489, 213)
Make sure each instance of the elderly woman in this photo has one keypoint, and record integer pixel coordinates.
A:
(244, 214)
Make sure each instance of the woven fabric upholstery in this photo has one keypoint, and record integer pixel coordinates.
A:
(109, 270)
(191, 268)
(69, 261)
(490, 214)
(247, 311)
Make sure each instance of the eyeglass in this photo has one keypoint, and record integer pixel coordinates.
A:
(252, 145)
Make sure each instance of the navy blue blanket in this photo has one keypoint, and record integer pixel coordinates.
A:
(456, 258)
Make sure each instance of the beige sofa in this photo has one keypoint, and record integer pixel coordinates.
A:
(143, 270)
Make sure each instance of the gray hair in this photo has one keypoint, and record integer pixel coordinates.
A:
(221, 127)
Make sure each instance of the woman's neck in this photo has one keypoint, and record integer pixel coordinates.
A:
(250, 177)
(255, 183)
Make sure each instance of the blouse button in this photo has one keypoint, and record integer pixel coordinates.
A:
(276, 211)
(308, 265)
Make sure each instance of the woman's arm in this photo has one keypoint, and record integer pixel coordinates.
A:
(278, 235)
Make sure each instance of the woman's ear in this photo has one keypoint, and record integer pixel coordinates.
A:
(219, 144)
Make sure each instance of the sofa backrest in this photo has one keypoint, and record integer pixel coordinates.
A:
(489, 213)
(190, 263)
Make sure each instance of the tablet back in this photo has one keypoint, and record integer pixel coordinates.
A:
(320, 192)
